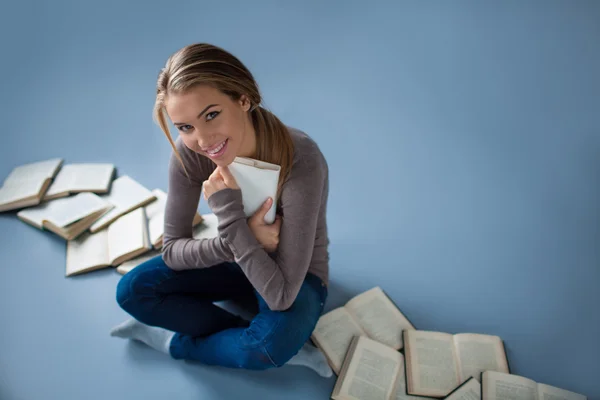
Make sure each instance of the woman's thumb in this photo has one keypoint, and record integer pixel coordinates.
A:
(263, 210)
(267, 205)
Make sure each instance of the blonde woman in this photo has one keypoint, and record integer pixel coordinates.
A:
(214, 102)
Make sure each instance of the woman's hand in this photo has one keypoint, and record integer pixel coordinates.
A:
(266, 234)
(220, 179)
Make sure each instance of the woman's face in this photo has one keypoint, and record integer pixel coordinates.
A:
(212, 124)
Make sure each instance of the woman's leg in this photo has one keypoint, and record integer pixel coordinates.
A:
(182, 301)
(272, 338)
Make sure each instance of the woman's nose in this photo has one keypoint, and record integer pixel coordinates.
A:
(205, 140)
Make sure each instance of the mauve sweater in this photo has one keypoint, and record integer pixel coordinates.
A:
(303, 239)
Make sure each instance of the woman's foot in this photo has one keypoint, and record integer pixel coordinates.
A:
(313, 358)
(157, 338)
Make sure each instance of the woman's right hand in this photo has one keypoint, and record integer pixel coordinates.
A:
(266, 234)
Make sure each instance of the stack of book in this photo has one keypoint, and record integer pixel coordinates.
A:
(106, 221)
(377, 353)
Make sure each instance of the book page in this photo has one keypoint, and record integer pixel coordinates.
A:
(547, 392)
(68, 210)
(82, 177)
(371, 371)
(333, 333)
(208, 229)
(26, 189)
(64, 211)
(125, 194)
(431, 363)
(157, 206)
(92, 177)
(470, 390)
(36, 171)
(400, 389)
(127, 234)
(87, 252)
(379, 317)
(155, 211)
(156, 227)
(35, 215)
(478, 353)
(502, 386)
(62, 182)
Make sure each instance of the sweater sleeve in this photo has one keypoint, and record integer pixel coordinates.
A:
(279, 279)
(180, 250)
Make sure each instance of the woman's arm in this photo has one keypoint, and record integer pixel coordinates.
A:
(277, 280)
(180, 250)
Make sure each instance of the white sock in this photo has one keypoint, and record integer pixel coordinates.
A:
(155, 337)
(313, 358)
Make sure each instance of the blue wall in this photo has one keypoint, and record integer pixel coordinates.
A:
(463, 140)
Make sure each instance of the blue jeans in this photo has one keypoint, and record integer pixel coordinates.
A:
(182, 301)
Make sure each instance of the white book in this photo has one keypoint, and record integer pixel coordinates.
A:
(81, 177)
(67, 217)
(123, 240)
(258, 181)
(156, 218)
(206, 229)
(126, 195)
(26, 185)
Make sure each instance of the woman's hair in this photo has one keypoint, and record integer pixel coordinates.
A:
(206, 64)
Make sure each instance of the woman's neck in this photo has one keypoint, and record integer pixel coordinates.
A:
(248, 147)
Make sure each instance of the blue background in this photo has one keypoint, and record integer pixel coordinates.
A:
(463, 140)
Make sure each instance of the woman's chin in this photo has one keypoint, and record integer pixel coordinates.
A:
(224, 160)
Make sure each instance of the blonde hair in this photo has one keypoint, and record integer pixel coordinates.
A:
(206, 64)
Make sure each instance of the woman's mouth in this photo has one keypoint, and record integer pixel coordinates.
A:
(217, 150)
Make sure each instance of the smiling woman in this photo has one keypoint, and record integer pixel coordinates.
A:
(283, 268)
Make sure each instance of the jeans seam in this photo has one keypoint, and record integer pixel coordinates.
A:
(269, 357)
(265, 339)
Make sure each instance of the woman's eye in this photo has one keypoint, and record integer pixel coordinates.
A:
(185, 128)
(211, 115)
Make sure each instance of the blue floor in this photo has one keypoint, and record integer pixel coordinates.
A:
(463, 140)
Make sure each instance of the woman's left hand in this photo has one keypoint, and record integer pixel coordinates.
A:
(220, 179)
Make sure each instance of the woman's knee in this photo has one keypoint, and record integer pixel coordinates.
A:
(140, 283)
(292, 329)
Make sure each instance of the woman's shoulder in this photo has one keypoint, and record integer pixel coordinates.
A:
(306, 150)
(309, 165)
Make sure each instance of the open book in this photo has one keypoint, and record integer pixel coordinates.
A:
(371, 370)
(126, 195)
(468, 390)
(67, 217)
(370, 314)
(258, 181)
(502, 386)
(156, 218)
(124, 239)
(437, 362)
(82, 177)
(208, 228)
(27, 184)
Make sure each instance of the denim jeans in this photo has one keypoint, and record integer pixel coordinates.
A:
(182, 301)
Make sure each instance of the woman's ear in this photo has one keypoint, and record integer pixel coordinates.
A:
(245, 102)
